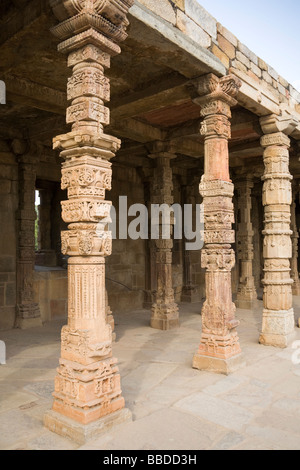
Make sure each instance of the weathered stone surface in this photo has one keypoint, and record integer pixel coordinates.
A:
(195, 11)
(163, 8)
(227, 34)
(192, 30)
(226, 46)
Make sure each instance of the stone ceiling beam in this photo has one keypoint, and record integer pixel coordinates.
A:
(25, 15)
(33, 94)
(174, 49)
(172, 90)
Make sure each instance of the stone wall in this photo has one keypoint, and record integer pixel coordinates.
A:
(193, 20)
(8, 208)
(125, 273)
(50, 292)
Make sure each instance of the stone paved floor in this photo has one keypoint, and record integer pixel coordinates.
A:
(174, 407)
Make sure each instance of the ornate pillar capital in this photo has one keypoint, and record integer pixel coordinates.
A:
(285, 123)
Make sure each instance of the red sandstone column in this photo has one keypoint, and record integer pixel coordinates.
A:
(165, 314)
(219, 349)
(87, 397)
(278, 316)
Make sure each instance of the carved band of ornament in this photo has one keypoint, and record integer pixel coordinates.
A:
(89, 37)
(276, 154)
(89, 53)
(275, 139)
(88, 82)
(216, 188)
(275, 283)
(88, 110)
(275, 177)
(215, 107)
(218, 217)
(86, 243)
(216, 126)
(85, 210)
(219, 236)
(80, 342)
(114, 10)
(78, 144)
(213, 321)
(213, 260)
(277, 265)
(86, 20)
(279, 232)
(86, 177)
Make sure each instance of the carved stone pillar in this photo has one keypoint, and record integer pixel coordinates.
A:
(219, 349)
(87, 397)
(295, 239)
(278, 315)
(191, 291)
(165, 314)
(246, 295)
(28, 312)
(45, 255)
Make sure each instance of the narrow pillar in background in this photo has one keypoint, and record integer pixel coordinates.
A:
(165, 313)
(246, 295)
(219, 350)
(45, 256)
(295, 249)
(278, 316)
(191, 291)
(28, 312)
(87, 397)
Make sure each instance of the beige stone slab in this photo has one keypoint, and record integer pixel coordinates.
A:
(225, 385)
(12, 399)
(177, 431)
(278, 438)
(145, 377)
(216, 410)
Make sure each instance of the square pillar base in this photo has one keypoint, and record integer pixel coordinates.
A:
(278, 328)
(82, 433)
(164, 324)
(217, 365)
(278, 341)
